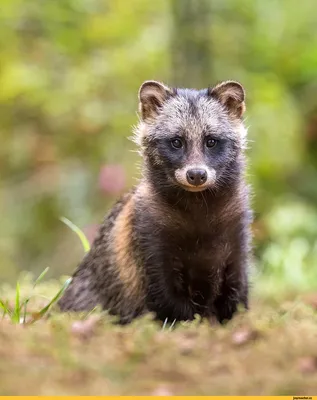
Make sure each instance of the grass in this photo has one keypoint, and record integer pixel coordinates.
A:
(79, 233)
(19, 313)
(270, 350)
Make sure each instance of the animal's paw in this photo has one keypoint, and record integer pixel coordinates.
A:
(225, 308)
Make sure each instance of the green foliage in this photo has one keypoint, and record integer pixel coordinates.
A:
(20, 308)
(58, 295)
(69, 75)
(289, 260)
(15, 313)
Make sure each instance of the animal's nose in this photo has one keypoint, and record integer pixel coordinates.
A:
(196, 176)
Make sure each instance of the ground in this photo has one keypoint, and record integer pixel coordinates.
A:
(269, 351)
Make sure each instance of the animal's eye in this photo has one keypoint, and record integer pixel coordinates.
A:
(211, 142)
(177, 143)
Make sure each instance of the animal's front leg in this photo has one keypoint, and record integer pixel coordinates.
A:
(234, 291)
(166, 292)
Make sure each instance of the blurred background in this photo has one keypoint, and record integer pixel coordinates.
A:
(69, 75)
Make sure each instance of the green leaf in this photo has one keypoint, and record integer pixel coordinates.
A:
(79, 233)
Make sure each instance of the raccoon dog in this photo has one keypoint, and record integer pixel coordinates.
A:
(178, 243)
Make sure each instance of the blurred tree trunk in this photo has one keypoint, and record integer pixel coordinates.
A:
(191, 43)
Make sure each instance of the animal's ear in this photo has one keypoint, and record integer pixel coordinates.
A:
(152, 95)
(231, 95)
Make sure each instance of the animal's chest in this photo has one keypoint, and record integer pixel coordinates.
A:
(196, 264)
(199, 246)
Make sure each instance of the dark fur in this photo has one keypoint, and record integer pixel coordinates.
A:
(182, 253)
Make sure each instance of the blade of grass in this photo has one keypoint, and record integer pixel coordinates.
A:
(25, 303)
(92, 311)
(172, 325)
(41, 276)
(44, 310)
(79, 232)
(25, 308)
(16, 313)
(6, 309)
(164, 325)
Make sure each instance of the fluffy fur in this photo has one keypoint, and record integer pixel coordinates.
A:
(168, 246)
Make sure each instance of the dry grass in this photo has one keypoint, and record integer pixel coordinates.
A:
(269, 351)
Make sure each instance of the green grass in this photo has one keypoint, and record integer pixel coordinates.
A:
(79, 233)
(18, 313)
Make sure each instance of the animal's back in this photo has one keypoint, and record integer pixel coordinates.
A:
(108, 274)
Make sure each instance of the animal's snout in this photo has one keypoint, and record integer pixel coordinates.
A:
(196, 176)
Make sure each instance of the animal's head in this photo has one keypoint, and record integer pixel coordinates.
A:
(190, 138)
